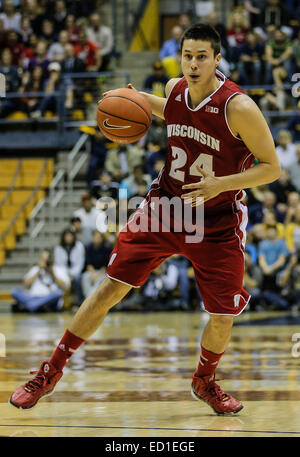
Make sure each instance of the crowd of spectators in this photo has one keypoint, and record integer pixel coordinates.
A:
(260, 45)
(40, 41)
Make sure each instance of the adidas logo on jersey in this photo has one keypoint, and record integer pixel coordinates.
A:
(178, 98)
(211, 109)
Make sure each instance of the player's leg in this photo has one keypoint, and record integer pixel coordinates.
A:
(218, 267)
(135, 255)
(217, 333)
(85, 322)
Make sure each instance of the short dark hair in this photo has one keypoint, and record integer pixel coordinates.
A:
(203, 32)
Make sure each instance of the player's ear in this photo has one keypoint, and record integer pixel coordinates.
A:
(218, 58)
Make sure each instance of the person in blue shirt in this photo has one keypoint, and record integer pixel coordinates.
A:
(170, 47)
(273, 255)
(250, 61)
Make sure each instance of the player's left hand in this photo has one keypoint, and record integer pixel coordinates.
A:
(206, 189)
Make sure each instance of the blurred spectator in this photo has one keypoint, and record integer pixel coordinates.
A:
(282, 187)
(25, 30)
(154, 154)
(13, 42)
(72, 28)
(32, 82)
(213, 20)
(98, 148)
(274, 13)
(256, 194)
(293, 125)
(10, 17)
(252, 281)
(157, 290)
(184, 21)
(70, 254)
(120, 161)
(40, 57)
(278, 55)
(296, 52)
(59, 15)
(236, 76)
(257, 211)
(91, 218)
(54, 83)
(286, 149)
(88, 51)
(56, 50)
(182, 265)
(97, 257)
(71, 63)
(129, 185)
(171, 46)
(273, 255)
(255, 235)
(30, 49)
(104, 186)
(269, 219)
(251, 59)
(12, 81)
(47, 32)
(294, 170)
(157, 133)
(293, 8)
(45, 285)
(155, 82)
(254, 9)
(293, 203)
(172, 65)
(237, 30)
(293, 232)
(289, 281)
(102, 36)
(2, 35)
(75, 226)
(35, 13)
(275, 100)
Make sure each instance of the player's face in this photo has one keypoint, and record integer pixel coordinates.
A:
(198, 61)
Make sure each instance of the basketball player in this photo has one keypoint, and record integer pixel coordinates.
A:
(215, 131)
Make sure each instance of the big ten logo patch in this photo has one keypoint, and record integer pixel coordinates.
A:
(2, 85)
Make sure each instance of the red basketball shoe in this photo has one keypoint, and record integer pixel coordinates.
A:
(42, 384)
(207, 390)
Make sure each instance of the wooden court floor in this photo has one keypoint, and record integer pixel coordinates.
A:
(132, 378)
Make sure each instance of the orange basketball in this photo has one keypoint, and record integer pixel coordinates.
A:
(124, 115)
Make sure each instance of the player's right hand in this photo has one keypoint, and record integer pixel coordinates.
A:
(129, 86)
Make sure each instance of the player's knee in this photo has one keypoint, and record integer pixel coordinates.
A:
(221, 321)
(110, 292)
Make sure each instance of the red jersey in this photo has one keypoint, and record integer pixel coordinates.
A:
(86, 52)
(201, 136)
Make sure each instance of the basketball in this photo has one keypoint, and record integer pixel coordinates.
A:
(124, 115)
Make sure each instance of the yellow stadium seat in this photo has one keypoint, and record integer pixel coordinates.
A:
(20, 196)
(10, 242)
(17, 116)
(2, 257)
(9, 211)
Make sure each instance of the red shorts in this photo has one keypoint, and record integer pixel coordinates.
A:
(218, 259)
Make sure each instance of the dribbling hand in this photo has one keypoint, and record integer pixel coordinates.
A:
(207, 188)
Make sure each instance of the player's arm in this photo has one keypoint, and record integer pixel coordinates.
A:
(246, 121)
(158, 103)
